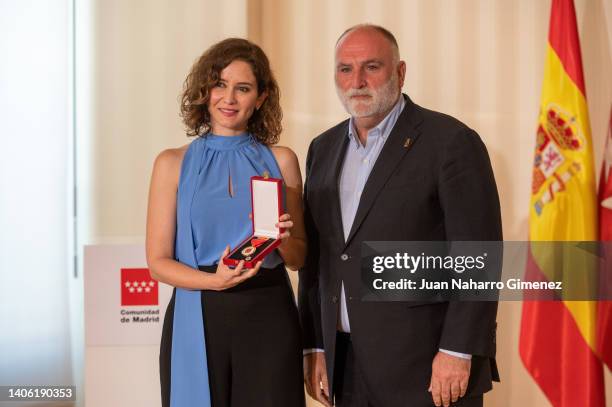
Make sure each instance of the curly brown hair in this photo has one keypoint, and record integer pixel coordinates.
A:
(265, 123)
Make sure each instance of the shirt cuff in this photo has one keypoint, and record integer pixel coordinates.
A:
(312, 350)
(457, 354)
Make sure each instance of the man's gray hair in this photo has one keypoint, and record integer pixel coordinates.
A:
(382, 30)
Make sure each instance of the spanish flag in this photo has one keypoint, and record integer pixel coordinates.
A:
(558, 341)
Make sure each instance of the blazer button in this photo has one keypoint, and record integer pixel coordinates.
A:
(334, 299)
(344, 257)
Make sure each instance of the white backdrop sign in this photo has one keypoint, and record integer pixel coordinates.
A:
(123, 304)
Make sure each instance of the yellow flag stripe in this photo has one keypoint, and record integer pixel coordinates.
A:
(585, 315)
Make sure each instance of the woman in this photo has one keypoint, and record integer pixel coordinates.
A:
(230, 336)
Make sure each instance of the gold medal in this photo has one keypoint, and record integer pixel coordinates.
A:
(255, 242)
(247, 251)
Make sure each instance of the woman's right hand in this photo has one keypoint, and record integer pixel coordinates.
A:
(227, 277)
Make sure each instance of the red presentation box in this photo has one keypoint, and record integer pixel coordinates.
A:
(266, 207)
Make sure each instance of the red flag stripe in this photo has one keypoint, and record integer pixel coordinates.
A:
(555, 352)
(563, 38)
(604, 332)
(578, 371)
(604, 308)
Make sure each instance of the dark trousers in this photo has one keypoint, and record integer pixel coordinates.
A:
(252, 344)
(350, 389)
(349, 386)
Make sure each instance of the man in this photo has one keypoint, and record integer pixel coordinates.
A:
(397, 172)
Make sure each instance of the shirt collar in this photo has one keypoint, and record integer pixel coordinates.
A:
(384, 127)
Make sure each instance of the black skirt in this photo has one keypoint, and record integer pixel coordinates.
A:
(252, 343)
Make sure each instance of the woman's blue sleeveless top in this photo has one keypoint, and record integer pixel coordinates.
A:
(213, 206)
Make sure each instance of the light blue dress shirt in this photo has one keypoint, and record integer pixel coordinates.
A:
(358, 162)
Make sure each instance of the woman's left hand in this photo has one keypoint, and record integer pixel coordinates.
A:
(285, 222)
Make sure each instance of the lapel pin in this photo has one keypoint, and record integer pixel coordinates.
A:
(407, 143)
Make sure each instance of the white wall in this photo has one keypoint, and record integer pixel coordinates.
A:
(141, 51)
(35, 192)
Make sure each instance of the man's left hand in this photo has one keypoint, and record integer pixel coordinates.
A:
(449, 378)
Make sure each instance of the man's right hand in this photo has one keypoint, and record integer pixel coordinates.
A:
(315, 377)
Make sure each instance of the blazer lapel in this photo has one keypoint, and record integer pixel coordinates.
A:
(402, 137)
(333, 180)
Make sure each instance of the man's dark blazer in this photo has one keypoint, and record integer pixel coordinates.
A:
(432, 181)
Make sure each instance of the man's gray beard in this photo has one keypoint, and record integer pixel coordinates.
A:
(383, 100)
